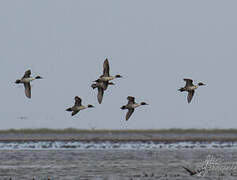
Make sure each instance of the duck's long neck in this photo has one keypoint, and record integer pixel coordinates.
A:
(198, 85)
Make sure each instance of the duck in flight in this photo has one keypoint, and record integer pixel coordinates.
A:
(106, 75)
(131, 105)
(78, 106)
(26, 79)
(190, 88)
(104, 81)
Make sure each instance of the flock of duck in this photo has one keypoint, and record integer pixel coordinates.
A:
(101, 84)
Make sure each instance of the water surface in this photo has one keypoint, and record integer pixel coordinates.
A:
(109, 164)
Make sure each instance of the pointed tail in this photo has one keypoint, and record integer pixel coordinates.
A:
(69, 109)
(181, 89)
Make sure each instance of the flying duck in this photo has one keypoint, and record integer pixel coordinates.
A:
(101, 86)
(102, 83)
(190, 88)
(106, 76)
(131, 106)
(26, 79)
(78, 106)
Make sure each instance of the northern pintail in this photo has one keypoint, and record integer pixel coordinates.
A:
(104, 80)
(190, 88)
(26, 79)
(78, 106)
(106, 76)
(131, 106)
(101, 86)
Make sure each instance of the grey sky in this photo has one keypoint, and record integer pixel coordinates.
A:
(152, 44)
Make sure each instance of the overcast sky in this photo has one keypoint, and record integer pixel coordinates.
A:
(152, 44)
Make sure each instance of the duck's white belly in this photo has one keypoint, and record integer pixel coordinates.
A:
(136, 105)
(192, 88)
(107, 78)
(81, 108)
(27, 80)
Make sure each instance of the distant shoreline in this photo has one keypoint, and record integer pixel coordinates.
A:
(159, 131)
(127, 140)
(114, 136)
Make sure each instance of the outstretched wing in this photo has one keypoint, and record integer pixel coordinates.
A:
(190, 95)
(189, 82)
(131, 100)
(106, 68)
(100, 95)
(27, 90)
(77, 101)
(27, 74)
(129, 113)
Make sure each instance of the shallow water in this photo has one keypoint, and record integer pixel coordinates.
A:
(162, 164)
(89, 156)
(105, 145)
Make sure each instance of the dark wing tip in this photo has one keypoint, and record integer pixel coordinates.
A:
(77, 98)
(187, 79)
(123, 107)
(130, 97)
(28, 71)
(69, 109)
